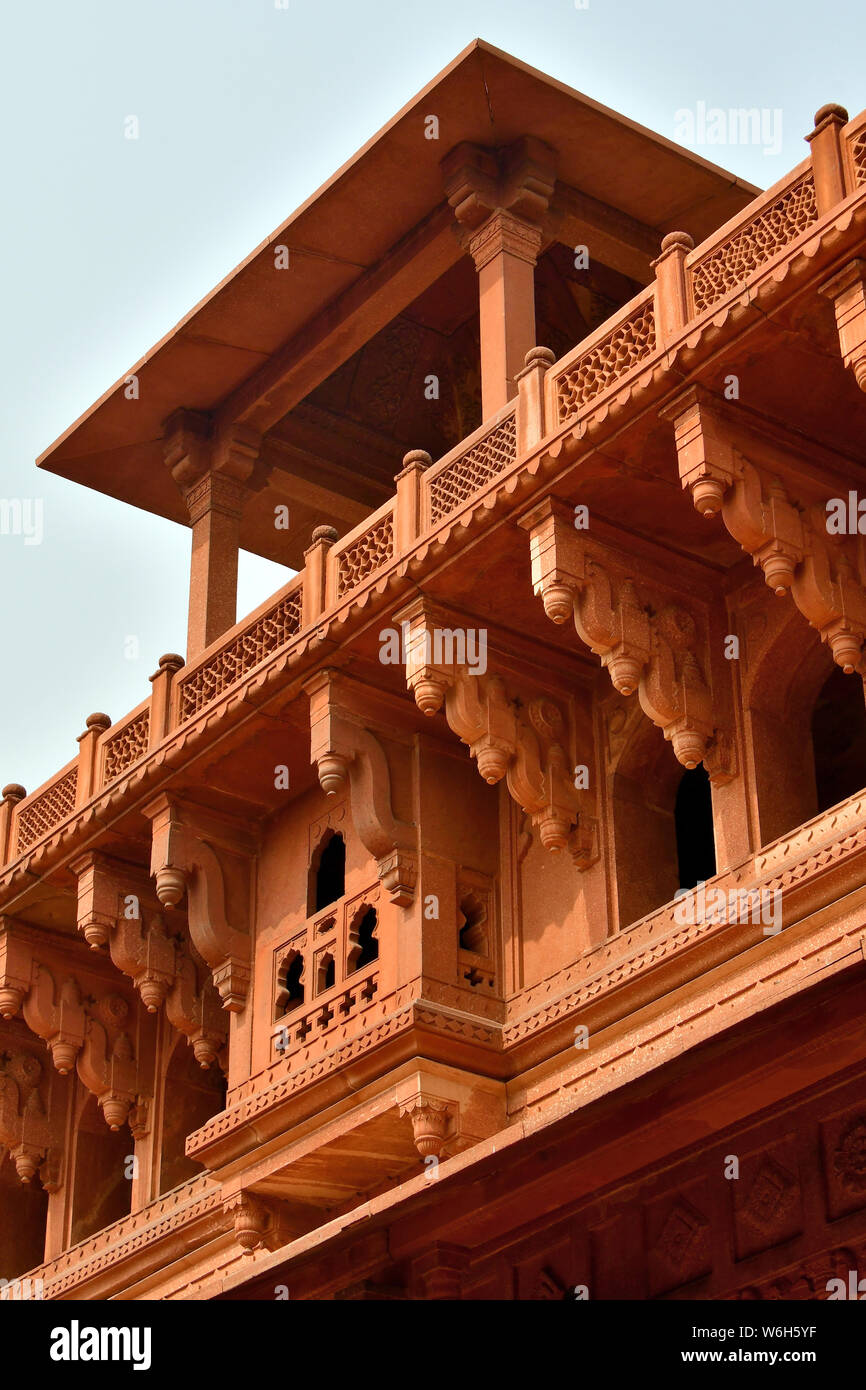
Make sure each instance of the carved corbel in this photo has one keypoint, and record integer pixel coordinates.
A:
(433, 1121)
(24, 1126)
(705, 456)
(848, 293)
(672, 690)
(478, 710)
(107, 1068)
(16, 968)
(349, 757)
(528, 751)
(767, 525)
(571, 580)
(829, 594)
(57, 1017)
(185, 858)
(98, 895)
(258, 1222)
(142, 947)
(197, 1013)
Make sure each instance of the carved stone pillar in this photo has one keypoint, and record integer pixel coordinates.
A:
(213, 476)
(499, 198)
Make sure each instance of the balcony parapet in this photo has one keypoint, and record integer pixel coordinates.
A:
(653, 341)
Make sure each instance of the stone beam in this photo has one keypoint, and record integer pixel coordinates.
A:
(334, 335)
(621, 242)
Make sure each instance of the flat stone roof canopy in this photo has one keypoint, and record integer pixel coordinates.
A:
(363, 247)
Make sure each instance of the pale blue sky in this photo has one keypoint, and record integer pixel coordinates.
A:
(244, 110)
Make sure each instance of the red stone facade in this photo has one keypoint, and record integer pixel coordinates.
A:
(357, 961)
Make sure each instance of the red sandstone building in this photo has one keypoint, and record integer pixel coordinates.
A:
(349, 963)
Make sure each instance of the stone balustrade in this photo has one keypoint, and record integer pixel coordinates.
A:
(692, 285)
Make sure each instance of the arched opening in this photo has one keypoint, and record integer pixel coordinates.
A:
(326, 973)
(839, 739)
(102, 1190)
(662, 823)
(290, 989)
(364, 947)
(473, 930)
(23, 1213)
(328, 872)
(192, 1096)
(693, 823)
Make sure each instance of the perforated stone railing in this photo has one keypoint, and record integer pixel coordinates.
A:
(220, 671)
(633, 342)
(126, 747)
(358, 556)
(47, 809)
(469, 469)
(589, 371)
(715, 273)
(857, 150)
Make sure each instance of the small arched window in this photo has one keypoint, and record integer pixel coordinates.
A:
(839, 739)
(325, 974)
(328, 872)
(290, 989)
(363, 945)
(473, 929)
(693, 822)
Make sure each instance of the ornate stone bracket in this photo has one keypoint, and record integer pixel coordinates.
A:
(107, 1065)
(523, 740)
(57, 1016)
(651, 650)
(197, 1013)
(848, 293)
(348, 756)
(259, 1223)
(434, 1121)
(25, 1129)
(194, 854)
(788, 540)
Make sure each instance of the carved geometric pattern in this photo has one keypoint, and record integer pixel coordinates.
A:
(771, 1197)
(260, 641)
(628, 343)
(682, 1236)
(368, 554)
(54, 805)
(849, 1160)
(126, 747)
(472, 471)
(730, 264)
(858, 154)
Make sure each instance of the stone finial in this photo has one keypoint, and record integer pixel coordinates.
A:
(416, 458)
(13, 792)
(539, 357)
(171, 661)
(677, 239)
(326, 533)
(98, 721)
(831, 109)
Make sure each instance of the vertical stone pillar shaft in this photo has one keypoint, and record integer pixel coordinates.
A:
(215, 505)
(505, 251)
(500, 199)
